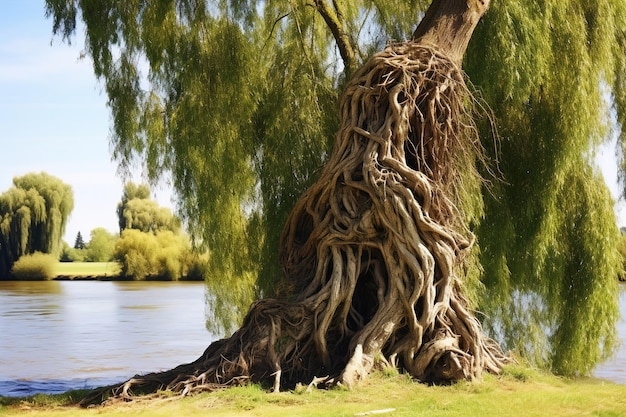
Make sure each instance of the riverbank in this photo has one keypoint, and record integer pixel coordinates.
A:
(95, 271)
(519, 391)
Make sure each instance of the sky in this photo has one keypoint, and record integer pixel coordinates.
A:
(54, 118)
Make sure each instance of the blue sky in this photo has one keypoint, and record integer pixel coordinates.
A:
(53, 118)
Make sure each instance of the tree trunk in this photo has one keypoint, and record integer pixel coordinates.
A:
(372, 253)
(448, 26)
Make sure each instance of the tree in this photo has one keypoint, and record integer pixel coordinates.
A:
(231, 96)
(137, 211)
(79, 243)
(101, 246)
(69, 254)
(372, 252)
(131, 191)
(33, 216)
(150, 243)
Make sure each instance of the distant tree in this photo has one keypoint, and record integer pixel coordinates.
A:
(146, 216)
(137, 211)
(65, 255)
(79, 243)
(33, 217)
(131, 191)
(66, 250)
(101, 246)
(69, 254)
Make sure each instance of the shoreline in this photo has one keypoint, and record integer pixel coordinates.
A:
(516, 391)
(103, 278)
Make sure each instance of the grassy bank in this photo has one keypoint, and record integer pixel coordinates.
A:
(87, 269)
(519, 391)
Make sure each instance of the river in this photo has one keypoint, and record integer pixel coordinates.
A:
(62, 335)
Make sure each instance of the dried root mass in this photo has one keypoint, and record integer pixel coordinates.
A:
(371, 252)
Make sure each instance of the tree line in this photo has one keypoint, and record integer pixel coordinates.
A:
(34, 212)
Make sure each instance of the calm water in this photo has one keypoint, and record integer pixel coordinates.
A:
(615, 369)
(56, 336)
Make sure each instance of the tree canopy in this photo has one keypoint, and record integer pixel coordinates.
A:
(79, 242)
(101, 245)
(33, 216)
(137, 211)
(236, 101)
(151, 243)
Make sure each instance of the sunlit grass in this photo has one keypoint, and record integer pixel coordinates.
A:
(518, 391)
(87, 269)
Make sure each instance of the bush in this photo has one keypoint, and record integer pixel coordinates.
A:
(69, 254)
(163, 255)
(35, 266)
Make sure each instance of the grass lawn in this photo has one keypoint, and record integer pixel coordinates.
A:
(518, 392)
(87, 269)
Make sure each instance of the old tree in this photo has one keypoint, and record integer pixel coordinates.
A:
(33, 216)
(374, 255)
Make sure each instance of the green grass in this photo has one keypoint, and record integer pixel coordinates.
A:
(535, 394)
(87, 269)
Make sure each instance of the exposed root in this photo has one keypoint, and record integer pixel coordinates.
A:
(315, 382)
(371, 252)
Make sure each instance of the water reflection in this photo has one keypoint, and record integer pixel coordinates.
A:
(20, 288)
(86, 333)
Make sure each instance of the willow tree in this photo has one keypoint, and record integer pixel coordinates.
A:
(33, 216)
(372, 252)
(238, 101)
(137, 211)
(131, 191)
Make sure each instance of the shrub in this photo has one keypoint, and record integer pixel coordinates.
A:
(135, 252)
(35, 266)
(161, 255)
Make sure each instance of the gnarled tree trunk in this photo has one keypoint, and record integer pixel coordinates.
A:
(372, 252)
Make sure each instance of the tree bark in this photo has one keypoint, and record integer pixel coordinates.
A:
(448, 26)
(373, 252)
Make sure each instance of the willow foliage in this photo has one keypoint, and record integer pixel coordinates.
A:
(549, 71)
(33, 216)
(235, 102)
